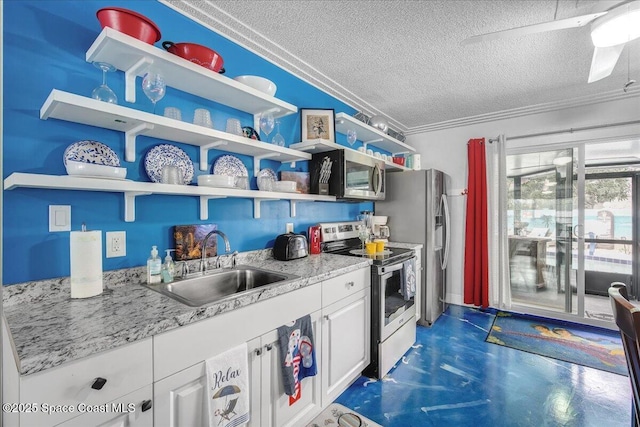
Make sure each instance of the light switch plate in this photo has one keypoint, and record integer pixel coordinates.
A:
(116, 242)
(59, 218)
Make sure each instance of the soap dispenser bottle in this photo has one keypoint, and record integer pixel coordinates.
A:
(168, 268)
(154, 266)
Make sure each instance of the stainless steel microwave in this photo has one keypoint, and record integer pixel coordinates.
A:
(354, 175)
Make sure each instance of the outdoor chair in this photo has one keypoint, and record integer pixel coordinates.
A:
(627, 317)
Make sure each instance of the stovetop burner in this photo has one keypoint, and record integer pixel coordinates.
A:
(353, 247)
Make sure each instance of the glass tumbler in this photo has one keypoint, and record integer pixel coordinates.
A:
(202, 117)
(173, 113)
(234, 127)
(171, 175)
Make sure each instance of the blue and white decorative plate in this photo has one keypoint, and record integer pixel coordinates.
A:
(230, 166)
(167, 154)
(91, 152)
(268, 173)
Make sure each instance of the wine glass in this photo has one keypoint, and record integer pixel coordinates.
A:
(277, 138)
(363, 235)
(154, 87)
(104, 92)
(267, 123)
(352, 136)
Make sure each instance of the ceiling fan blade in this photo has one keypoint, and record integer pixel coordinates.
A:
(560, 24)
(604, 61)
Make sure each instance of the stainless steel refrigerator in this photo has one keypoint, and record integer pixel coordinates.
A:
(416, 204)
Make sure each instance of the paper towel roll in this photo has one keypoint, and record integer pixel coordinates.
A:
(86, 263)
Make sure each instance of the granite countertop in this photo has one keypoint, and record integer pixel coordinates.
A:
(49, 328)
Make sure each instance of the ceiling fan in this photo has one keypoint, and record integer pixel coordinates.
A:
(610, 31)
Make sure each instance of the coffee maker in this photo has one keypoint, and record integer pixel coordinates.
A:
(380, 228)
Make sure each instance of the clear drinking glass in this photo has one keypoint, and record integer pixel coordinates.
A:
(104, 92)
(352, 136)
(277, 138)
(154, 86)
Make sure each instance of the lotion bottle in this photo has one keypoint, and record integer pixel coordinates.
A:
(154, 266)
(168, 268)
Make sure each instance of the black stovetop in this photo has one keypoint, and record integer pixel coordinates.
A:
(353, 247)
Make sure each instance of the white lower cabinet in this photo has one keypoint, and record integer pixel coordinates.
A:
(345, 343)
(274, 409)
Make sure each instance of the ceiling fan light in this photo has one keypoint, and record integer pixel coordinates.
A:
(618, 26)
(562, 160)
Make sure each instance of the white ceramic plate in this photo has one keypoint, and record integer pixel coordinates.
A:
(167, 154)
(91, 152)
(90, 170)
(268, 173)
(230, 166)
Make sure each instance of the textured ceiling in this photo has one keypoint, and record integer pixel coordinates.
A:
(403, 59)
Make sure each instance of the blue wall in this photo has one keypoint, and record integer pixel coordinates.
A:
(44, 48)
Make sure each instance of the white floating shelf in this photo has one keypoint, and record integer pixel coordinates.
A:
(316, 146)
(80, 109)
(369, 135)
(134, 57)
(133, 189)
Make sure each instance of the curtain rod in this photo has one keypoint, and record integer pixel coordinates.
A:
(570, 130)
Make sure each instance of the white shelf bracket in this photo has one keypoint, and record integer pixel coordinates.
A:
(130, 78)
(293, 207)
(373, 141)
(257, 159)
(130, 204)
(204, 153)
(204, 205)
(130, 140)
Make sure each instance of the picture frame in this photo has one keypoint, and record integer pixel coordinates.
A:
(318, 123)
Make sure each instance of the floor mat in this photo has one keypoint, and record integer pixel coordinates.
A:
(560, 340)
(338, 415)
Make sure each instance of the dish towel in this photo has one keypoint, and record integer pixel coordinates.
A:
(228, 388)
(408, 279)
(297, 355)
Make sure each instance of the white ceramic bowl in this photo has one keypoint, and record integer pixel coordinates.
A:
(259, 83)
(223, 181)
(91, 170)
(285, 186)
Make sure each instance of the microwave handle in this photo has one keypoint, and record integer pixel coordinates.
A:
(377, 175)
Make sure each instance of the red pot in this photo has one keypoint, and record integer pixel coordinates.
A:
(196, 53)
(129, 22)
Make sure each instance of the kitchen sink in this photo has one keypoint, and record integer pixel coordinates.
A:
(200, 289)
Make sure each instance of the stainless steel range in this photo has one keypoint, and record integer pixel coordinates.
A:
(393, 324)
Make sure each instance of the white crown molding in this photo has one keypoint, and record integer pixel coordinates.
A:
(240, 33)
(525, 111)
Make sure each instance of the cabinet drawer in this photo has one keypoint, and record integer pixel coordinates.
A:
(342, 286)
(125, 369)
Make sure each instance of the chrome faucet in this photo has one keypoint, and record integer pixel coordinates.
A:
(227, 248)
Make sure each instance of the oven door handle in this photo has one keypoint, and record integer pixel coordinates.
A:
(390, 269)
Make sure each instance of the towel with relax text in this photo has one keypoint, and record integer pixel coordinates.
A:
(297, 355)
(408, 279)
(228, 388)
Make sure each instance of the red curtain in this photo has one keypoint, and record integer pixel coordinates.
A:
(476, 249)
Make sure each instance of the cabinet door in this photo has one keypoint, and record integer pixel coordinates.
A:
(276, 411)
(180, 399)
(346, 333)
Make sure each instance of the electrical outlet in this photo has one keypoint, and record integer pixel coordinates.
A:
(116, 244)
(289, 227)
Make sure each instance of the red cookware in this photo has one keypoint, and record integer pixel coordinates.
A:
(196, 53)
(129, 22)
(314, 239)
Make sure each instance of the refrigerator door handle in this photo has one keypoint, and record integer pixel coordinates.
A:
(447, 238)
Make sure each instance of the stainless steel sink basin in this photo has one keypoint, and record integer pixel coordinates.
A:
(216, 285)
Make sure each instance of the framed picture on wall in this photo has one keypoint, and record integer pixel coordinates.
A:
(318, 123)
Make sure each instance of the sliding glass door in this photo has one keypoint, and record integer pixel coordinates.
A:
(573, 228)
(541, 229)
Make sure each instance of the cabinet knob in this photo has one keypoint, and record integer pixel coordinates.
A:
(350, 284)
(258, 351)
(98, 383)
(146, 405)
(268, 347)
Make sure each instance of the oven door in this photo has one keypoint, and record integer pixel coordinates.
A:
(394, 309)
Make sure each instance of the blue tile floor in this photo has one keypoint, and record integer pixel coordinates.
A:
(452, 377)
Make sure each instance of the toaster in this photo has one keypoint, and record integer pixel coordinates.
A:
(290, 246)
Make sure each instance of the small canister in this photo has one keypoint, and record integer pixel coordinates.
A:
(314, 239)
